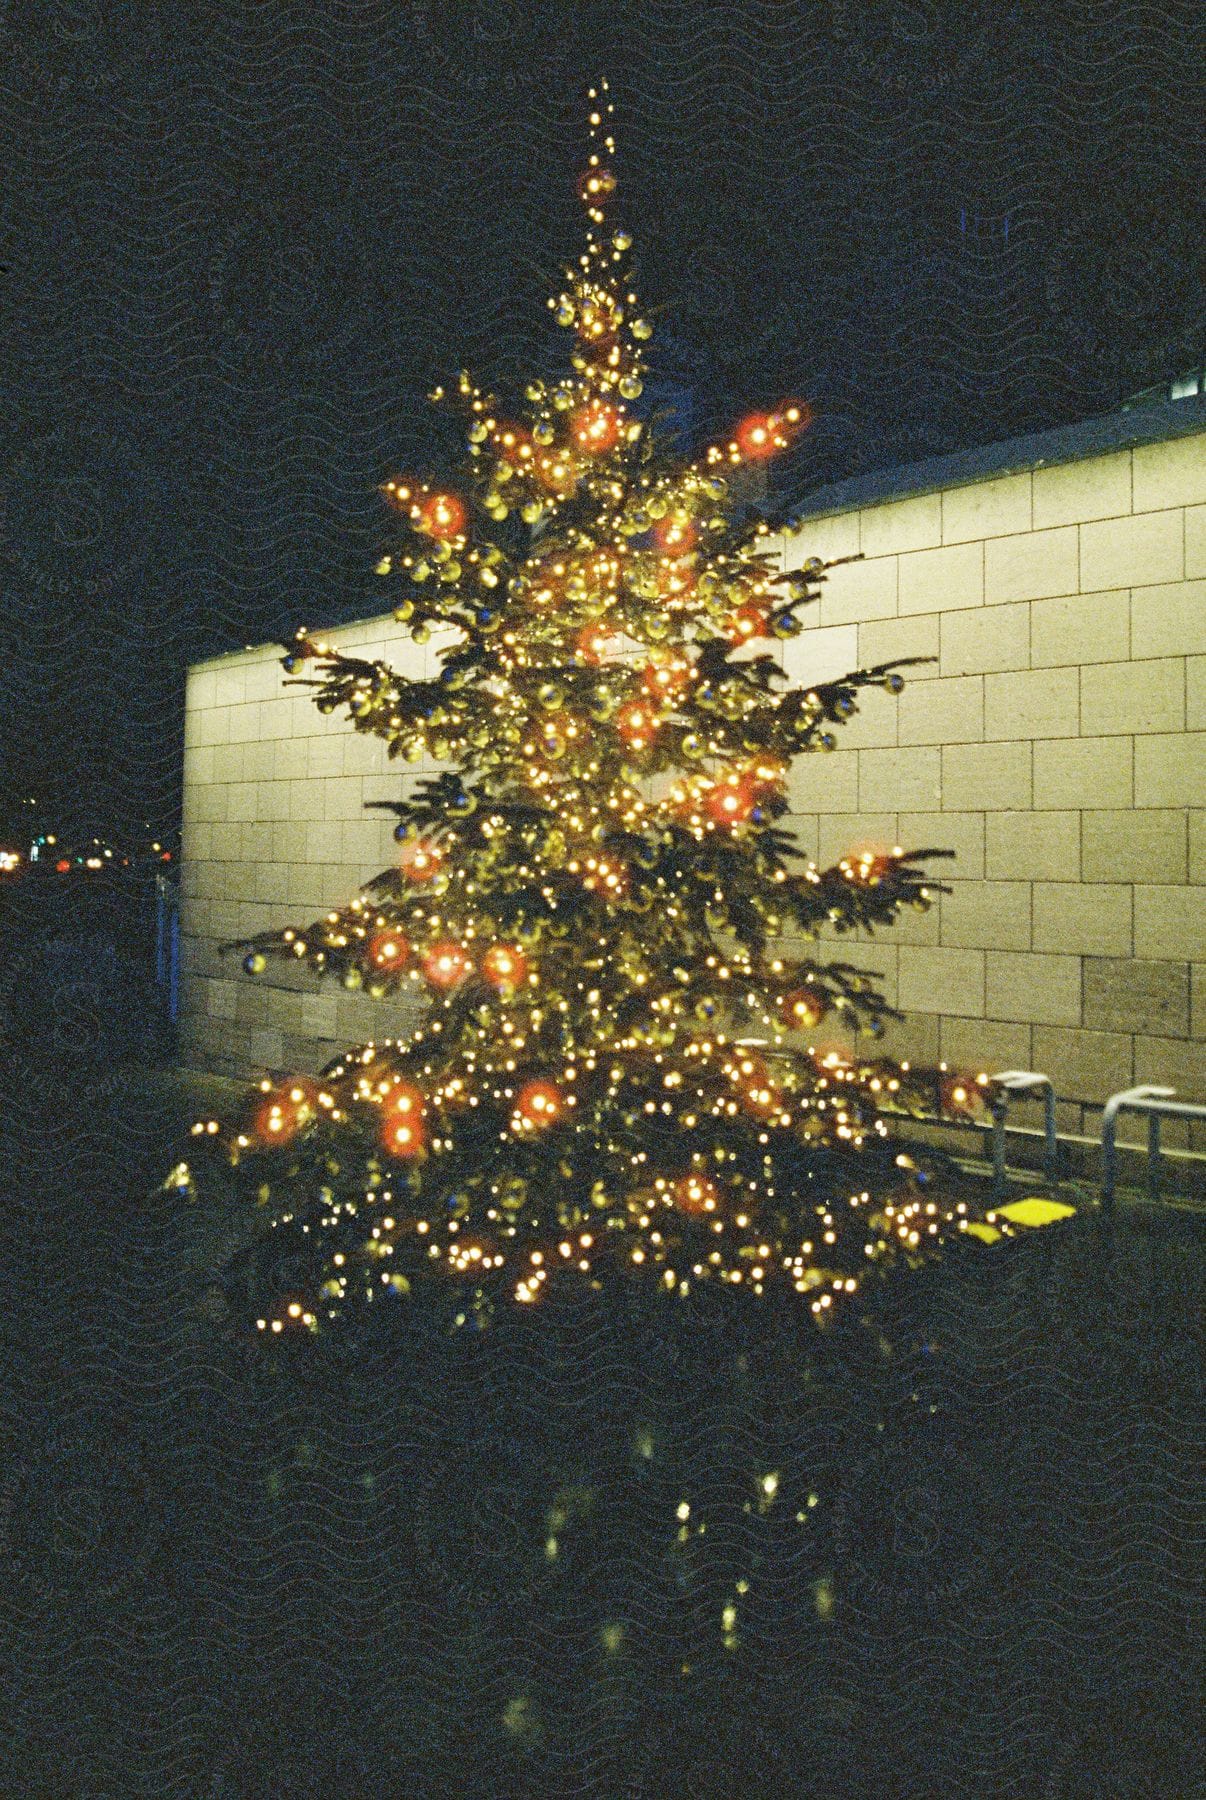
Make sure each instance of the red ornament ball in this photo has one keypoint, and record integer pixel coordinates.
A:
(676, 534)
(505, 965)
(756, 436)
(419, 861)
(668, 680)
(513, 443)
(750, 621)
(446, 964)
(596, 325)
(695, 1195)
(804, 1008)
(591, 644)
(596, 186)
(555, 471)
(284, 1110)
(751, 1077)
(539, 1104)
(731, 800)
(596, 427)
(388, 950)
(404, 1120)
(442, 516)
(763, 434)
(636, 724)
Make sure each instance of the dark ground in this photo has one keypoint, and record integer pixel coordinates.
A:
(330, 1577)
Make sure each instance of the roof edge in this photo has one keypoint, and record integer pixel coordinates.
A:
(1012, 456)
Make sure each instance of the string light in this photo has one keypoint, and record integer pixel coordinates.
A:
(597, 891)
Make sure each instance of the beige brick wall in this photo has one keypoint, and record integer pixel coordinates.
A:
(274, 831)
(1057, 744)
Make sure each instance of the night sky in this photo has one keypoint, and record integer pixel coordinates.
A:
(240, 244)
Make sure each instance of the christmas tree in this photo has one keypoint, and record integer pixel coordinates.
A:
(616, 1074)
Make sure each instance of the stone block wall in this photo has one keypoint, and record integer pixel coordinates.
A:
(274, 832)
(1057, 743)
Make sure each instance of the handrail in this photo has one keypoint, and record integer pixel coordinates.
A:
(1155, 1103)
(1021, 1081)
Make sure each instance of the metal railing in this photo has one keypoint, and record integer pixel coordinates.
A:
(1021, 1081)
(1155, 1103)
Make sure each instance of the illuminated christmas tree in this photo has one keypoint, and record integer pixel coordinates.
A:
(615, 1077)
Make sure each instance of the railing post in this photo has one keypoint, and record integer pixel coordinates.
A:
(998, 1106)
(1132, 1100)
(1022, 1081)
(1051, 1157)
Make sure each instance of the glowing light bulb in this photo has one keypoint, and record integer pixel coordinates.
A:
(446, 964)
(695, 1194)
(539, 1104)
(388, 950)
(596, 427)
(804, 1008)
(505, 965)
(403, 1120)
(441, 516)
(419, 861)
